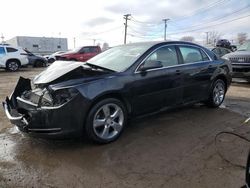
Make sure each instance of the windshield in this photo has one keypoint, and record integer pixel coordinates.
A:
(75, 50)
(119, 58)
(245, 46)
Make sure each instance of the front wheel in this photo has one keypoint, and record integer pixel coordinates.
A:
(106, 121)
(217, 93)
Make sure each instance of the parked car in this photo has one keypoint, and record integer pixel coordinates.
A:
(220, 51)
(224, 43)
(80, 54)
(51, 58)
(240, 61)
(97, 97)
(12, 58)
(36, 60)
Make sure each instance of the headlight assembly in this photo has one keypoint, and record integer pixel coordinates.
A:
(63, 95)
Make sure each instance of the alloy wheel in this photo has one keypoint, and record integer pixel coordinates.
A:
(13, 66)
(218, 93)
(108, 121)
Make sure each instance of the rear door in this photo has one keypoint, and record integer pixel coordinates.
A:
(159, 87)
(197, 70)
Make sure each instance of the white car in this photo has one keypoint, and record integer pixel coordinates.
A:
(12, 58)
(51, 58)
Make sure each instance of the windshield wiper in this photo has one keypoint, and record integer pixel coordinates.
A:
(99, 67)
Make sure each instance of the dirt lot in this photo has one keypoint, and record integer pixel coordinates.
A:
(170, 149)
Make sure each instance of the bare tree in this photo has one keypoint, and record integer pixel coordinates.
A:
(213, 37)
(242, 37)
(187, 38)
(105, 46)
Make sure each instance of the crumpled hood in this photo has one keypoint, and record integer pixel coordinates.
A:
(56, 70)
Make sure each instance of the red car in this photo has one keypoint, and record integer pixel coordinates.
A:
(80, 54)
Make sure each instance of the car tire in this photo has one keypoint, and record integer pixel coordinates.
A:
(106, 121)
(12, 65)
(217, 94)
(39, 63)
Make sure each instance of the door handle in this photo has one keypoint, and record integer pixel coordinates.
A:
(178, 72)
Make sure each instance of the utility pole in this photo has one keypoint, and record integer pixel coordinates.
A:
(126, 17)
(207, 36)
(165, 28)
(2, 37)
(74, 42)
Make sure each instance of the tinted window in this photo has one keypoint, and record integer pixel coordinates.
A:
(225, 51)
(93, 50)
(204, 56)
(166, 55)
(11, 49)
(85, 50)
(191, 54)
(2, 51)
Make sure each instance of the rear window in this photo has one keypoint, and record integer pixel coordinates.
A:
(9, 50)
(2, 51)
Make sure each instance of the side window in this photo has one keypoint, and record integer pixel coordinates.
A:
(9, 50)
(85, 50)
(204, 56)
(225, 51)
(190, 54)
(167, 56)
(93, 50)
(2, 51)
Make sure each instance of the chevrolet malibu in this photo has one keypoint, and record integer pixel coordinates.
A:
(96, 98)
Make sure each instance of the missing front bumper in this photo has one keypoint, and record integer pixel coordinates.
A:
(53, 122)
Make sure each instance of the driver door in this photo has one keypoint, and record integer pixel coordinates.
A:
(157, 87)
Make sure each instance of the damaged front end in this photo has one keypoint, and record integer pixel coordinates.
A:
(44, 110)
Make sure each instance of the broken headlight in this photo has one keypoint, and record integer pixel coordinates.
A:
(63, 95)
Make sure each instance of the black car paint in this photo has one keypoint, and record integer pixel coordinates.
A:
(141, 92)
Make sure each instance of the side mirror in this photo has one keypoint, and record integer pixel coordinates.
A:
(150, 65)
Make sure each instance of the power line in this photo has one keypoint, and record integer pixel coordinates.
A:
(107, 31)
(200, 10)
(219, 17)
(142, 22)
(212, 25)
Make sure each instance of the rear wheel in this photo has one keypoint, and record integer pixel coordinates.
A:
(217, 93)
(12, 65)
(106, 121)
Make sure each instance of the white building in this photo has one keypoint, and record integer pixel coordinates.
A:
(40, 45)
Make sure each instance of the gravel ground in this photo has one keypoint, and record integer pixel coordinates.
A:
(170, 149)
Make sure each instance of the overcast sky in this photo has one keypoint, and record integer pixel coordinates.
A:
(103, 20)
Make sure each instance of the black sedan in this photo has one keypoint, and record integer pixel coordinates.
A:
(97, 97)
